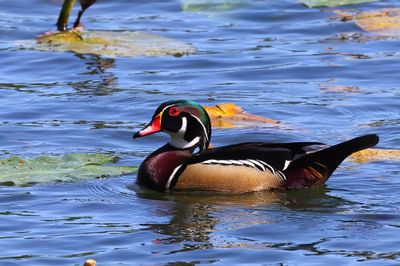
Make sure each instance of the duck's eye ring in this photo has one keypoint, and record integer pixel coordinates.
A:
(174, 111)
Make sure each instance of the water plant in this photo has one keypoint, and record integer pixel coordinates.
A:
(62, 22)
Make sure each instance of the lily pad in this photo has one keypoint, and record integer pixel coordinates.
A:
(375, 155)
(112, 43)
(332, 3)
(382, 20)
(229, 115)
(71, 167)
(211, 5)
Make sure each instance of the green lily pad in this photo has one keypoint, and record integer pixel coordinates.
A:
(332, 3)
(112, 44)
(211, 5)
(71, 167)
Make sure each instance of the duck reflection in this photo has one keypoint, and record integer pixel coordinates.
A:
(196, 216)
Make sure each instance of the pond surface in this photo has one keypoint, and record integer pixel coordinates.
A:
(276, 59)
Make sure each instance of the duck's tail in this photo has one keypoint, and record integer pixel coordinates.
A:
(315, 168)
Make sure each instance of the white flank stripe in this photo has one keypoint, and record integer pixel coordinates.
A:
(264, 163)
(210, 161)
(269, 167)
(236, 162)
(224, 162)
(281, 175)
(256, 162)
(246, 162)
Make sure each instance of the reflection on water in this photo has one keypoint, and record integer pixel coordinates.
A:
(104, 84)
(197, 221)
(197, 216)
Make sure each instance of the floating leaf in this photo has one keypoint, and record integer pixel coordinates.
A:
(229, 115)
(385, 20)
(211, 5)
(332, 3)
(71, 167)
(112, 44)
(375, 155)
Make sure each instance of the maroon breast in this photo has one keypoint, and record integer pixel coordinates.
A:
(156, 170)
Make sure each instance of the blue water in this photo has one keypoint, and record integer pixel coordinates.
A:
(276, 59)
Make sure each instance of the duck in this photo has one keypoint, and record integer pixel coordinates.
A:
(189, 163)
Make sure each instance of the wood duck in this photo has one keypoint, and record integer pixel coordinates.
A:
(187, 163)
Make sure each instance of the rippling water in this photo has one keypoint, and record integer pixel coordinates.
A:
(277, 59)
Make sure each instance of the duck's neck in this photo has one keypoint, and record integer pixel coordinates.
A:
(157, 170)
(180, 143)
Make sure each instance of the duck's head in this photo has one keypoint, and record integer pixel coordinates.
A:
(187, 123)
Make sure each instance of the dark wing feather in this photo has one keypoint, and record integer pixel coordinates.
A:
(274, 154)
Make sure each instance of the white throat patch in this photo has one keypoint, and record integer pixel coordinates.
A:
(177, 139)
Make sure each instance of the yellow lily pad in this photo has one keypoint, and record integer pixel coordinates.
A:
(375, 155)
(112, 44)
(229, 115)
(383, 21)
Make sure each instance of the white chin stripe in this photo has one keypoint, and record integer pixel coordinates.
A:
(177, 139)
(181, 143)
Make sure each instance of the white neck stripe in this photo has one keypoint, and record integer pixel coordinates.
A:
(202, 125)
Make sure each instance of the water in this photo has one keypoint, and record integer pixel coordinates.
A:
(277, 59)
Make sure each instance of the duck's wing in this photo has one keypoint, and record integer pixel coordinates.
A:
(242, 167)
(276, 155)
(265, 166)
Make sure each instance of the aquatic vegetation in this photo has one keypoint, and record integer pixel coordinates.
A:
(105, 43)
(332, 3)
(112, 44)
(70, 167)
(65, 12)
(211, 5)
(375, 155)
(229, 115)
(384, 21)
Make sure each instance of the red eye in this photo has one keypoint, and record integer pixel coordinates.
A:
(174, 111)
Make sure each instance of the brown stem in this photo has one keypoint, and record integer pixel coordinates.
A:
(85, 4)
(62, 21)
